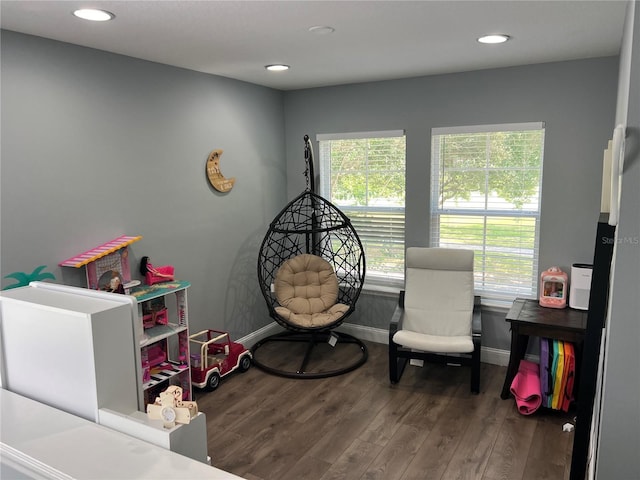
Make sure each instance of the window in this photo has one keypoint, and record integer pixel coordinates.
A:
(485, 195)
(364, 175)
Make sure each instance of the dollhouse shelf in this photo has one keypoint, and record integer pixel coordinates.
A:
(163, 341)
(144, 293)
(163, 372)
(160, 332)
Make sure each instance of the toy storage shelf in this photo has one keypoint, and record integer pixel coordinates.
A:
(162, 331)
(149, 292)
(164, 372)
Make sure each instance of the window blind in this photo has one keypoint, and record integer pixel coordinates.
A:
(364, 175)
(485, 195)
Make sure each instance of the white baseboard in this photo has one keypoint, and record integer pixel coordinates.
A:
(493, 356)
(254, 337)
(376, 335)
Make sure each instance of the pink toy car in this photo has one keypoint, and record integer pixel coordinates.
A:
(216, 357)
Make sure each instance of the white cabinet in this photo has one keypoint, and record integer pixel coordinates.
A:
(162, 332)
(188, 439)
(70, 348)
(42, 442)
(82, 351)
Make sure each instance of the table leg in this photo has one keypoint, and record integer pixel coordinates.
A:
(519, 345)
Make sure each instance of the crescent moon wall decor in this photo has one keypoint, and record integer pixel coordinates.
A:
(217, 180)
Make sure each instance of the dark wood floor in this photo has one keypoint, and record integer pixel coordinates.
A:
(358, 426)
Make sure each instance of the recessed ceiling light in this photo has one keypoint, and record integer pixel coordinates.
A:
(498, 38)
(322, 30)
(94, 14)
(278, 67)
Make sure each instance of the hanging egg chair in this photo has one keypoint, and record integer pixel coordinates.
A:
(311, 269)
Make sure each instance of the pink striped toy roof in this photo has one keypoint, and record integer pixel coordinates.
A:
(100, 251)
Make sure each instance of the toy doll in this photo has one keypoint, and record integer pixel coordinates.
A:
(153, 274)
(115, 284)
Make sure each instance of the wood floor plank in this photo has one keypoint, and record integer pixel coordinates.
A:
(397, 454)
(548, 454)
(250, 476)
(304, 404)
(427, 409)
(358, 426)
(384, 425)
(237, 409)
(265, 414)
(486, 413)
(294, 438)
(306, 469)
(509, 455)
(269, 410)
(334, 443)
(289, 445)
(223, 446)
(435, 453)
(255, 448)
(353, 462)
(330, 402)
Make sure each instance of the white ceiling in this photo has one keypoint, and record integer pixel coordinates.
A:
(373, 40)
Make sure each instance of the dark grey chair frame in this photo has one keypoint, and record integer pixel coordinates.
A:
(399, 356)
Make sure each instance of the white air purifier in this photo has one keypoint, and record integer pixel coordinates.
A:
(580, 286)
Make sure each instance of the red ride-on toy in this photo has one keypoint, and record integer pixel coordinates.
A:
(216, 357)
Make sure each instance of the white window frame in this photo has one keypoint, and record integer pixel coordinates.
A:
(374, 280)
(495, 293)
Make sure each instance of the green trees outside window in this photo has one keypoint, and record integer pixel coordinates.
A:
(486, 190)
(365, 178)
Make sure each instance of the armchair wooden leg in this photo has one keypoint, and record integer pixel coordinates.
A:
(475, 369)
(402, 362)
(393, 362)
(396, 365)
(399, 364)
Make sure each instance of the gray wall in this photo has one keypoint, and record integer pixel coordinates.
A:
(97, 145)
(619, 452)
(575, 99)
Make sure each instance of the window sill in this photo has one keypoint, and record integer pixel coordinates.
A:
(490, 304)
(381, 290)
(494, 305)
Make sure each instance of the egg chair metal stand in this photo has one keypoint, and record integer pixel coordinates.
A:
(310, 226)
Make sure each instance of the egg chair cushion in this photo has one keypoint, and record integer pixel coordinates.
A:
(306, 288)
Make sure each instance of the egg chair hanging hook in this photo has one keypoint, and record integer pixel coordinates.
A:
(308, 158)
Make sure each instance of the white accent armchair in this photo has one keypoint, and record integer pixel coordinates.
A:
(438, 313)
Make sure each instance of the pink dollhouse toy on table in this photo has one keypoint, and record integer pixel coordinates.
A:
(107, 265)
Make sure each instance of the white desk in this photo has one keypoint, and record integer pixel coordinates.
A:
(38, 441)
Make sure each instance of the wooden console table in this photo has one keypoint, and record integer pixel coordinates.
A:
(528, 318)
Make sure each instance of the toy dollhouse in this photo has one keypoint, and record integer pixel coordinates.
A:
(553, 288)
(107, 265)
